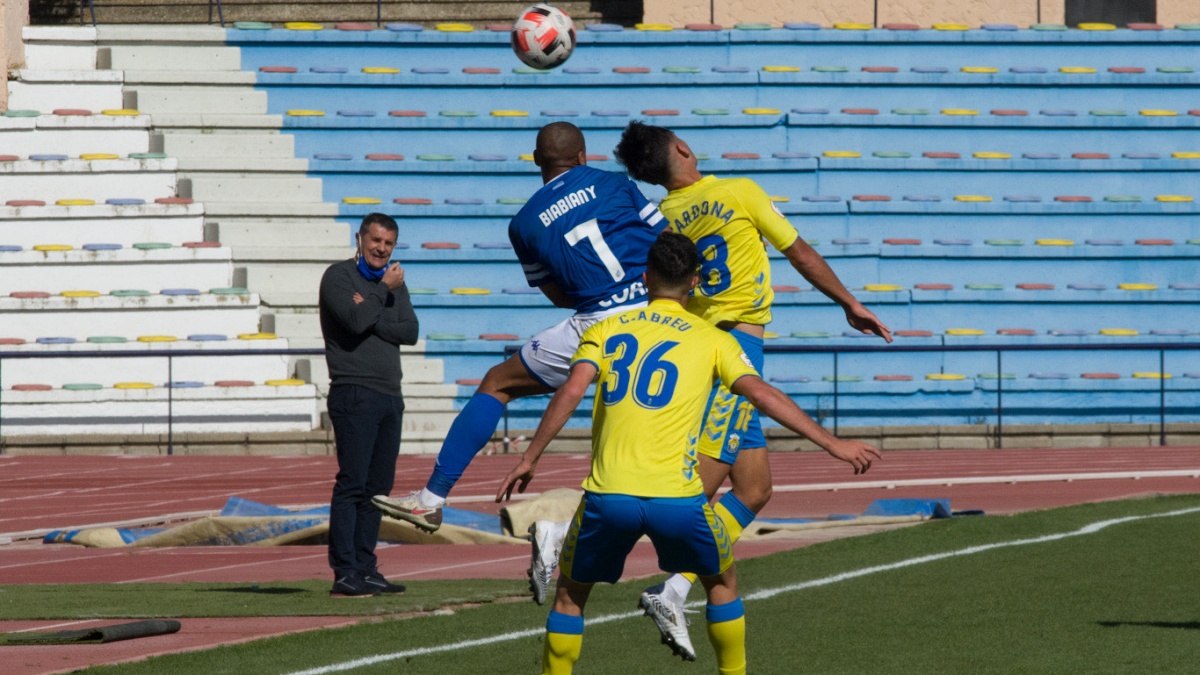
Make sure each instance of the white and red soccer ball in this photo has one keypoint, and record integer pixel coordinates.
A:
(543, 37)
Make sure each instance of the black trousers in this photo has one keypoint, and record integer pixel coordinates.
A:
(366, 429)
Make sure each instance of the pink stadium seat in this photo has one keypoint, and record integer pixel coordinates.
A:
(663, 112)
(406, 113)
(860, 111)
(500, 27)
(499, 336)
(481, 71)
(31, 387)
(355, 26)
(25, 202)
(1100, 376)
(933, 287)
(872, 198)
(233, 383)
(913, 333)
(72, 112)
(740, 155)
(277, 69)
(1072, 198)
(441, 245)
(942, 155)
(412, 200)
(880, 69)
(597, 158)
(1016, 331)
(9, 158)
(12, 341)
(902, 242)
(1001, 112)
(173, 200)
(1090, 155)
(29, 294)
(202, 244)
(1154, 242)
(703, 26)
(1036, 287)
(1144, 26)
(893, 378)
(384, 157)
(631, 70)
(1126, 69)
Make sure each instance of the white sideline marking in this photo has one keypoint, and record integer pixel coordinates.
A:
(757, 595)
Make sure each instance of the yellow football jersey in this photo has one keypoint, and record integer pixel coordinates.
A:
(657, 366)
(728, 218)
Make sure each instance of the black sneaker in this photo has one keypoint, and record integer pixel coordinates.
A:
(376, 581)
(352, 586)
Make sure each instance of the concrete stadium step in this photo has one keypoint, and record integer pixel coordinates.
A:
(106, 271)
(47, 90)
(72, 134)
(185, 145)
(173, 315)
(292, 282)
(135, 78)
(175, 224)
(60, 47)
(255, 239)
(264, 212)
(144, 411)
(251, 187)
(143, 57)
(225, 122)
(57, 371)
(192, 166)
(227, 100)
(96, 180)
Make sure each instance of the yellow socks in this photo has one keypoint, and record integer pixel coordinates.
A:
(564, 641)
(727, 633)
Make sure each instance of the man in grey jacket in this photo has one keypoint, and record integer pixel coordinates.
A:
(366, 314)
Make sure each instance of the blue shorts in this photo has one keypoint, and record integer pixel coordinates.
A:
(687, 536)
(731, 423)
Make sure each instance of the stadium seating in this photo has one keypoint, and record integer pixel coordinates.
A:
(996, 186)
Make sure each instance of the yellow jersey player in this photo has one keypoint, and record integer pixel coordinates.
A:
(654, 368)
(728, 220)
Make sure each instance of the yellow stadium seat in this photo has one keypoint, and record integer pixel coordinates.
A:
(76, 202)
(53, 247)
(510, 113)
(951, 377)
(257, 336)
(781, 69)
(380, 70)
(305, 113)
(120, 112)
(1158, 113)
(882, 288)
(157, 338)
(455, 28)
(470, 291)
(1185, 155)
(525, 157)
(1077, 70)
(303, 25)
(959, 111)
(133, 385)
(1097, 26)
(979, 69)
(972, 198)
(847, 25)
(951, 26)
(1054, 242)
(1118, 331)
(992, 155)
(965, 331)
(291, 382)
(99, 155)
(1173, 198)
(1152, 376)
(841, 153)
(761, 111)
(1138, 287)
(655, 27)
(361, 200)
(80, 294)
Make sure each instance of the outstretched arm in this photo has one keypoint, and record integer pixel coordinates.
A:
(779, 407)
(817, 272)
(561, 407)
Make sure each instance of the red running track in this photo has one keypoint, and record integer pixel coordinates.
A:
(39, 494)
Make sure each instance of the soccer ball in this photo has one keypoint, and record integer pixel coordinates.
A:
(543, 37)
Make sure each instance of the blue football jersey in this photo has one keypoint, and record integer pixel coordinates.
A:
(588, 231)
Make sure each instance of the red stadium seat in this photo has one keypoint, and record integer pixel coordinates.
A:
(1100, 376)
(1072, 198)
(412, 200)
(860, 111)
(1154, 242)
(25, 202)
(631, 70)
(740, 155)
(942, 155)
(277, 69)
(1036, 287)
(1126, 69)
(893, 378)
(72, 112)
(913, 333)
(663, 112)
(902, 242)
(1001, 112)
(1090, 155)
(384, 157)
(12, 341)
(900, 26)
(31, 387)
(872, 198)
(785, 288)
(880, 69)
(441, 245)
(481, 71)
(933, 287)
(499, 336)
(1016, 331)
(233, 383)
(406, 113)
(173, 200)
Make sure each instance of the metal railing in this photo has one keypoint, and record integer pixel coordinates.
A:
(835, 351)
(1161, 347)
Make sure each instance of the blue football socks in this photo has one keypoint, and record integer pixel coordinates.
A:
(468, 434)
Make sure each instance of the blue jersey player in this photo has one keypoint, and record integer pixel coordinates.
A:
(582, 240)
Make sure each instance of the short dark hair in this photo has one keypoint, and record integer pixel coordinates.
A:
(673, 260)
(644, 150)
(382, 220)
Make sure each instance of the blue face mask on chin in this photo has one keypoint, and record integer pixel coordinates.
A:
(367, 273)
